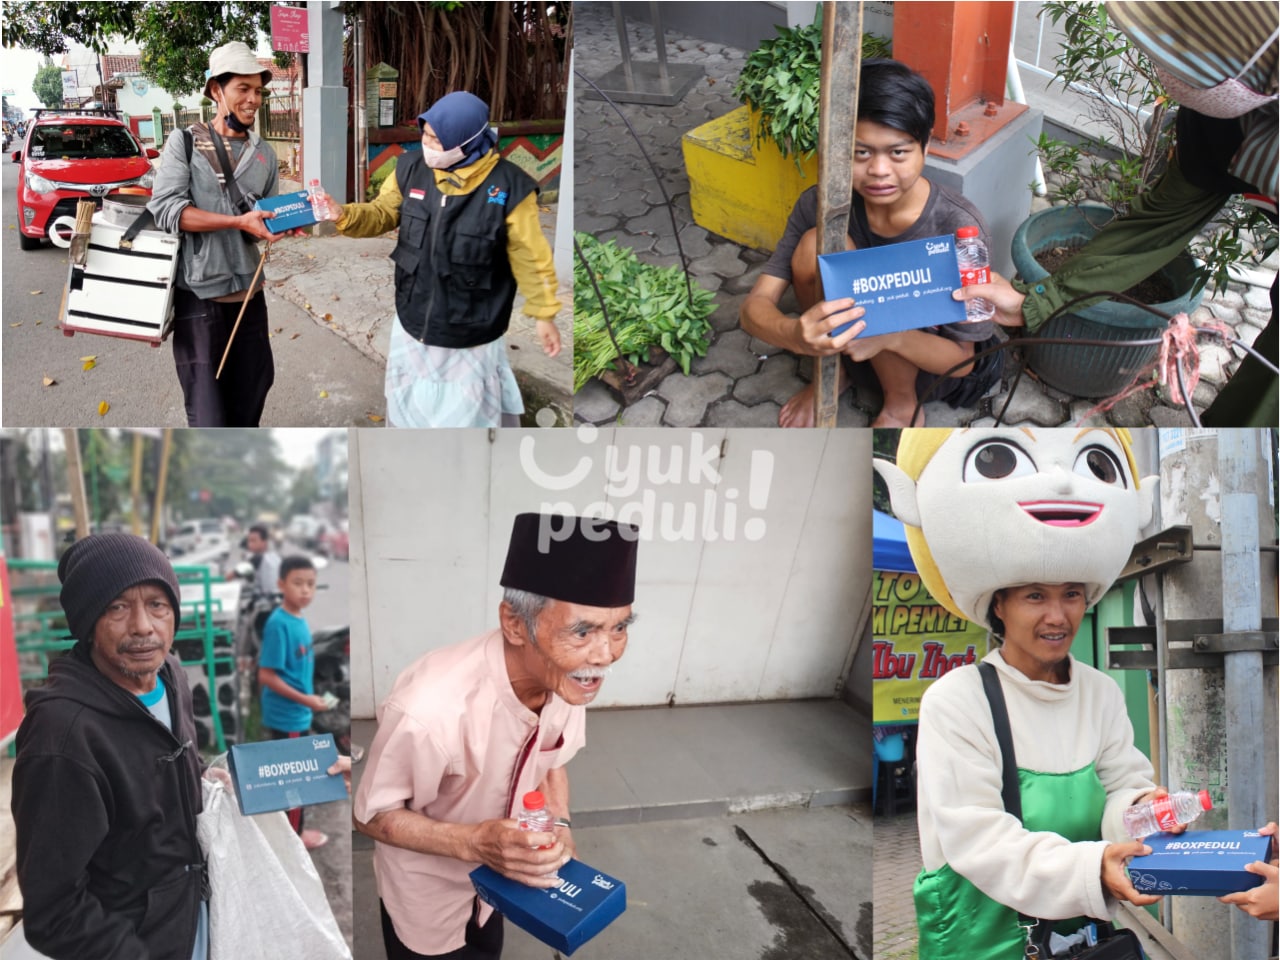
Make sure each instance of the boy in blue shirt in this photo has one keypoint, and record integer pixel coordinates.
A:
(286, 667)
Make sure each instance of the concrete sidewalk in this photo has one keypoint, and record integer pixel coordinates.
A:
(743, 381)
(740, 831)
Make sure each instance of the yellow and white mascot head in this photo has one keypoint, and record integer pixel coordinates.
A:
(986, 509)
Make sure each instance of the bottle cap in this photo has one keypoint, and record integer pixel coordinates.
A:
(1205, 802)
(534, 800)
(967, 232)
(316, 182)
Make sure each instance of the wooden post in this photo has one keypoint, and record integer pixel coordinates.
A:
(75, 483)
(157, 515)
(135, 487)
(838, 115)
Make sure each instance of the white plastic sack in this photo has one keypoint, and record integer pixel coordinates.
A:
(15, 946)
(267, 902)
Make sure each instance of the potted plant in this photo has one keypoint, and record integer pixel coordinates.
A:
(1095, 181)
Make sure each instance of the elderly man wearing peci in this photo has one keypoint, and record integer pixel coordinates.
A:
(469, 728)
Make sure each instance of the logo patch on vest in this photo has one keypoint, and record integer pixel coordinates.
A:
(497, 196)
(417, 194)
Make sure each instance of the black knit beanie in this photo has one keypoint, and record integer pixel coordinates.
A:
(96, 570)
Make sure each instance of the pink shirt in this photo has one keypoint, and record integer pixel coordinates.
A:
(455, 744)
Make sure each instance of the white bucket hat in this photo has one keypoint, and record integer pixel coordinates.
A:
(234, 57)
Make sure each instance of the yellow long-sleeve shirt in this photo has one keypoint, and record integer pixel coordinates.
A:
(527, 249)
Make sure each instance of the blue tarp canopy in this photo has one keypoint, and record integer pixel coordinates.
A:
(889, 544)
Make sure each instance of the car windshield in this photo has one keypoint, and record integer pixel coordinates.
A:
(81, 141)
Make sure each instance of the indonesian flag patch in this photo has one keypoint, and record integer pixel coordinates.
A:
(416, 194)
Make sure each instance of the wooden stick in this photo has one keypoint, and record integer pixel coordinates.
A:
(240, 316)
(838, 116)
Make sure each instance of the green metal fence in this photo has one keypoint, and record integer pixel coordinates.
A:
(40, 628)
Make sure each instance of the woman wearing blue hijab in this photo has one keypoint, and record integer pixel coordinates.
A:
(469, 237)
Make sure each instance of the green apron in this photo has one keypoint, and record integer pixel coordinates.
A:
(958, 922)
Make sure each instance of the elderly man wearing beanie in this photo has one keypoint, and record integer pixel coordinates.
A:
(106, 787)
(469, 729)
(209, 178)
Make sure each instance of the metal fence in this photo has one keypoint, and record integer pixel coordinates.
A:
(281, 118)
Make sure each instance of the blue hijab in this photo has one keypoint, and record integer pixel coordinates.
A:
(461, 119)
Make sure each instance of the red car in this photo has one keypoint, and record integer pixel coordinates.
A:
(71, 156)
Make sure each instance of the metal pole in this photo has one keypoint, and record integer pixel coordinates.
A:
(1243, 686)
(135, 487)
(362, 118)
(838, 116)
(660, 39)
(621, 22)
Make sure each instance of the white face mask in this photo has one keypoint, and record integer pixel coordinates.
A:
(442, 159)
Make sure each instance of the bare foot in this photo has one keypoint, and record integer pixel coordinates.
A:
(799, 412)
(898, 414)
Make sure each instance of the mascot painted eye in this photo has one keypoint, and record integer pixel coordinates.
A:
(996, 460)
(1099, 463)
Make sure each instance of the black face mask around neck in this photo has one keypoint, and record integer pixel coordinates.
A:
(234, 123)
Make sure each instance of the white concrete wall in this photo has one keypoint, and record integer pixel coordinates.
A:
(722, 617)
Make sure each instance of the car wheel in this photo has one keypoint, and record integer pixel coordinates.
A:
(27, 243)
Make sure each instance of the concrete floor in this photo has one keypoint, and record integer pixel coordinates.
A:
(741, 831)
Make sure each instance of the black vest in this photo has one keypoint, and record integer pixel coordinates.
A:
(454, 285)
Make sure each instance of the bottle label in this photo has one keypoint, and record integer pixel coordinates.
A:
(1165, 816)
(971, 275)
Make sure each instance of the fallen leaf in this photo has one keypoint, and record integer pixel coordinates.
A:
(48, 381)
(328, 318)
(295, 336)
(88, 358)
(311, 256)
(103, 407)
(324, 394)
(279, 329)
(18, 324)
(336, 297)
(374, 418)
(36, 293)
(306, 306)
(89, 364)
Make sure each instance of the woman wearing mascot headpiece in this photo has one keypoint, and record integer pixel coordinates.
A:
(1021, 531)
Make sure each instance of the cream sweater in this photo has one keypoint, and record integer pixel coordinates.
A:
(1057, 728)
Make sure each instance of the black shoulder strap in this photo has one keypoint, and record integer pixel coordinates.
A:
(1037, 931)
(1010, 792)
(188, 141)
(228, 173)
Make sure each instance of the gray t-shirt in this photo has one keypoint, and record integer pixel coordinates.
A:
(944, 213)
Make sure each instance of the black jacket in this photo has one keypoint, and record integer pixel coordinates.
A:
(454, 285)
(105, 802)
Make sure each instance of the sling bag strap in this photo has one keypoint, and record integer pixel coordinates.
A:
(228, 174)
(1037, 931)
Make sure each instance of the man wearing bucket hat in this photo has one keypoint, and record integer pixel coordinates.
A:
(209, 178)
(106, 786)
(469, 729)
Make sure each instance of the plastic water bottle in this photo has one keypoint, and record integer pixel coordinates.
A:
(1164, 813)
(319, 205)
(534, 816)
(975, 267)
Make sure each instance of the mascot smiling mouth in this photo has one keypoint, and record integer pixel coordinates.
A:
(1063, 513)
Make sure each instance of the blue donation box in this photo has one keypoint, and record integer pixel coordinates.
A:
(1203, 863)
(283, 774)
(563, 917)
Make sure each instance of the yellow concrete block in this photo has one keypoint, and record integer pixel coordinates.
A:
(738, 189)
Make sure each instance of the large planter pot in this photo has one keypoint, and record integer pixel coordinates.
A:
(1089, 371)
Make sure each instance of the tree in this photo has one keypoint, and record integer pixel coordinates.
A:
(48, 85)
(175, 37)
